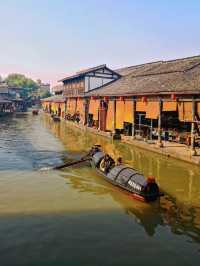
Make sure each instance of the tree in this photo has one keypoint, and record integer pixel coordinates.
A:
(19, 80)
(46, 94)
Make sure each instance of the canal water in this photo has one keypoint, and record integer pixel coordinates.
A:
(73, 217)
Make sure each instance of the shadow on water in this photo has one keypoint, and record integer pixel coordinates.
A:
(139, 234)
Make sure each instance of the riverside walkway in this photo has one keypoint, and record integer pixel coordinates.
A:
(169, 149)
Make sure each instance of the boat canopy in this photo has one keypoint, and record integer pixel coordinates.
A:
(97, 157)
(122, 174)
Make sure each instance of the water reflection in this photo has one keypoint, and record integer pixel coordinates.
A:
(180, 218)
(22, 145)
(179, 209)
(179, 179)
(63, 214)
(146, 215)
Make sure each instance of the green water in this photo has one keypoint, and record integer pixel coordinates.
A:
(73, 217)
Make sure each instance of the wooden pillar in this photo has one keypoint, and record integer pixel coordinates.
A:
(114, 134)
(102, 116)
(133, 122)
(114, 115)
(160, 144)
(151, 130)
(66, 102)
(86, 110)
(65, 108)
(76, 99)
(193, 151)
(140, 122)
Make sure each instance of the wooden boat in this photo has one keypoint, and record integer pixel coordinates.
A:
(128, 179)
(56, 118)
(35, 111)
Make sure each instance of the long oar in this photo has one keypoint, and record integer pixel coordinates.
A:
(70, 164)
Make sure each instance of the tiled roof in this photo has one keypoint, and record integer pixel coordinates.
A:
(55, 98)
(86, 71)
(137, 68)
(181, 76)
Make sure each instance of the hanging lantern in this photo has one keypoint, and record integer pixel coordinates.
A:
(173, 96)
(105, 98)
(144, 99)
(121, 98)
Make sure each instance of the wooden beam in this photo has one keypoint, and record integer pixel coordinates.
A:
(133, 122)
(104, 77)
(160, 144)
(102, 73)
(86, 109)
(108, 74)
(193, 151)
(114, 116)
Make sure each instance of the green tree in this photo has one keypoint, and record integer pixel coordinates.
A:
(46, 94)
(18, 80)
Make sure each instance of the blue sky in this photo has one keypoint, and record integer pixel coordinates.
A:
(49, 39)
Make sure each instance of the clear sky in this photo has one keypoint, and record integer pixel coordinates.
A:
(49, 39)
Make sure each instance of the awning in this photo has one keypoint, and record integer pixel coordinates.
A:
(94, 108)
(128, 111)
(185, 111)
(80, 107)
(152, 110)
(169, 106)
(71, 106)
(120, 114)
(110, 116)
(198, 109)
(141, 106)
(53, 107)
(62, 107)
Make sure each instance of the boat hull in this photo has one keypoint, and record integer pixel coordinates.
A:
(35, 112)
(56, 118)
(127, 179)
(131, 194)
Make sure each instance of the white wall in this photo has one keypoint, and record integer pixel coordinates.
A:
(94, 82)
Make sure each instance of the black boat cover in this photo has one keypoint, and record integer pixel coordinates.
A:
(122, 174)
(126, 176)
(97, 157)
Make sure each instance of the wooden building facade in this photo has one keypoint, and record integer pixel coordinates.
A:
(87, 80)
(159, 100)
(10, 100)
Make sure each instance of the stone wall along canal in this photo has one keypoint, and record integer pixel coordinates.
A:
(73, 217)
